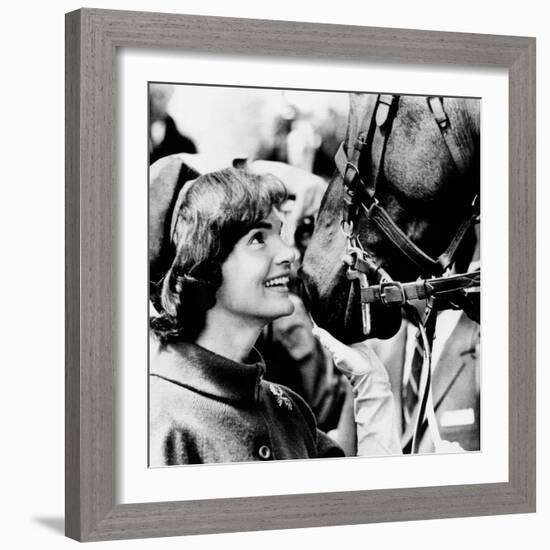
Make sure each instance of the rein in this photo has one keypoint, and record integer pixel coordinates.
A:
(442, 289)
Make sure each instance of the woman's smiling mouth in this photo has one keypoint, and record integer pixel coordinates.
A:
(280, 281)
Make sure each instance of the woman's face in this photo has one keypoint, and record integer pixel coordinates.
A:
(256, 273)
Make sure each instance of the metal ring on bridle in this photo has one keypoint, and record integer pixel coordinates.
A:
(347, 228)
(349, 165)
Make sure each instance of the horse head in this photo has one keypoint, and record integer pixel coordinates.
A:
(417, 158)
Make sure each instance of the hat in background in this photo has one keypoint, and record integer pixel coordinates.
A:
(166, 180)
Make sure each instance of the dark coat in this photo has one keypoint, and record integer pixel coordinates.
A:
(205, 408)
(297, 360)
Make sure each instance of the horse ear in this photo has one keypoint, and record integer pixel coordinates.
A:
(167, 177)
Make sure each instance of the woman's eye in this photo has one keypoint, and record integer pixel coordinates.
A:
(257, 238)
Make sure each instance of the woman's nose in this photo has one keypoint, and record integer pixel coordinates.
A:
(286, 253)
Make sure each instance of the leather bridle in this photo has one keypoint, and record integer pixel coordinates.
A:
(443, 288)
(360, 197)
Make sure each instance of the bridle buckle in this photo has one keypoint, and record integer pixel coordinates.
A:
(350, 165)
(392, 292)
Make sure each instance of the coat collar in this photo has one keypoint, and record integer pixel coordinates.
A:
(199, 369)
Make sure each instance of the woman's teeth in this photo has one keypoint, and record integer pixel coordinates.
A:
(279, 281)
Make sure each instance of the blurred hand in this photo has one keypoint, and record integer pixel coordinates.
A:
(356, 359)
(374, 407)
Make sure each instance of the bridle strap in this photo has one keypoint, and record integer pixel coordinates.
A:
(397, 293)
(446, 259)
(376, 124)
(349, 168)
(377, 139)
(457, 152)
(384, 222)
(378, 215)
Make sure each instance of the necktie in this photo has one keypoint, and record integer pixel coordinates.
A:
(410, 393)
(412, 388)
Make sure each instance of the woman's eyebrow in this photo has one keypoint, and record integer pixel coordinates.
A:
(262, 225)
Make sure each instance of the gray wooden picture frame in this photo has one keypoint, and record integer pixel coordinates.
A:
(92, 39)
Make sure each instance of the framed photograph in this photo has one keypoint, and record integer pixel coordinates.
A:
(372, 172)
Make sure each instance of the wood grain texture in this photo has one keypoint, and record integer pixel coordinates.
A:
(522, 275)
(92, 38)
(72, 277)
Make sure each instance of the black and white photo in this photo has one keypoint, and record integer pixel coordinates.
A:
(314, 274)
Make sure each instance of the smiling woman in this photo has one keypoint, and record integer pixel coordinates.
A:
(228, 278)
(216, 212)
(255, 277)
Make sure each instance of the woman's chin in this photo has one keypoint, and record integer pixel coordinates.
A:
(284, 307)
(288, 309)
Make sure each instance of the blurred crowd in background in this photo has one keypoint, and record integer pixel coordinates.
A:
(302, 129)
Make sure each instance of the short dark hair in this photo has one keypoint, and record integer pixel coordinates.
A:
(216, 210)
